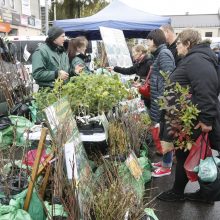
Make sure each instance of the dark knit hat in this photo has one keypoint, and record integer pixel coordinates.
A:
(54, 33)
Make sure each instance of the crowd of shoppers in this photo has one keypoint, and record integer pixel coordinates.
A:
(184, 58)
(197, 69)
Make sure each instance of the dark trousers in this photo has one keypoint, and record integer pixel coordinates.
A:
(181, 178)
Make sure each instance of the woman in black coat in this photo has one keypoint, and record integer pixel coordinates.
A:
(142, 62)
(197, 70)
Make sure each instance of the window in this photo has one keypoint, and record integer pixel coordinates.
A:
(208, 34)
(12, 4)
(13, 32)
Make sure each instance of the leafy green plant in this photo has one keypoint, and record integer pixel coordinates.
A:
(88, 94)
(47, 96)
(180, 113)
(94, 93)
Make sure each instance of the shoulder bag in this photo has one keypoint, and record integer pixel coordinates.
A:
(144, 89)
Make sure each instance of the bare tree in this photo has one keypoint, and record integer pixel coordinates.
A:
(77, 8)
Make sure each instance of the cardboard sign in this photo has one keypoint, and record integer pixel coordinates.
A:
(116, 47)
(134, 166)
(60, 118)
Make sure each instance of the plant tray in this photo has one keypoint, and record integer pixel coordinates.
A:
(91, 128)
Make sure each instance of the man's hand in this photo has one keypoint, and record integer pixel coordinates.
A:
(63, 75)
(204, 128)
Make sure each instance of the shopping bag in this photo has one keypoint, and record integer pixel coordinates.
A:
(199, 150)
(155, 131)
(166, 146)
(207, 169)
(211, 190)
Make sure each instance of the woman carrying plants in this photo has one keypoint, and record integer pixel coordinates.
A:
(197, 70)
(77, 57)
(163, 61)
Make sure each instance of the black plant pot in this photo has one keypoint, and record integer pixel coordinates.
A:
(90, 128)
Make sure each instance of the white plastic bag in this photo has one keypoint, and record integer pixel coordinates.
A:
(207, 170)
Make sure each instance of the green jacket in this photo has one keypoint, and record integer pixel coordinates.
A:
(78, 61)
(46, 63)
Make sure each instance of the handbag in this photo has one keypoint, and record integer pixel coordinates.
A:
(198, 151)
(144, 89)
(211, 190)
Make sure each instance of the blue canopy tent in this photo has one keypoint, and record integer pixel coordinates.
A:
(134, 23)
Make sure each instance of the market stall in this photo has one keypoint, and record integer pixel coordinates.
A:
(134, 23)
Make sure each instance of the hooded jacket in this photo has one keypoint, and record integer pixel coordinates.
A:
(198, 70)
(47, 61)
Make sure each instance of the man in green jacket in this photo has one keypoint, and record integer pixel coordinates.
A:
(50, 60)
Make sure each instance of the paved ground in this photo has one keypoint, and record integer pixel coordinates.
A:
(181, 210)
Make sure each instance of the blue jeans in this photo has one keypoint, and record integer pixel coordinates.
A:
(167, 159)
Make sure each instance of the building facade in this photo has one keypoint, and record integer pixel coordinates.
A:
(20, 17)
(207, 24)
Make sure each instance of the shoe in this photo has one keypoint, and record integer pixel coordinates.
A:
(171, 196)
(157, 165)
(197, 197)
(159, 172)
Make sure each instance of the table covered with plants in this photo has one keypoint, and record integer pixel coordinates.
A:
(94, 161)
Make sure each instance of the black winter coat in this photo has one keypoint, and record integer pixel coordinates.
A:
(140, 68)
(163, 61)
(172, 48)
(198, 70)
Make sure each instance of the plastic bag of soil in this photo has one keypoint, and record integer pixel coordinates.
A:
(13, 211)
(35, 210)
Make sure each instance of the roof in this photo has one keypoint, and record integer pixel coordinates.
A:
(198, 20)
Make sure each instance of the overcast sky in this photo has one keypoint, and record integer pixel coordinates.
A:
(174, 7)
